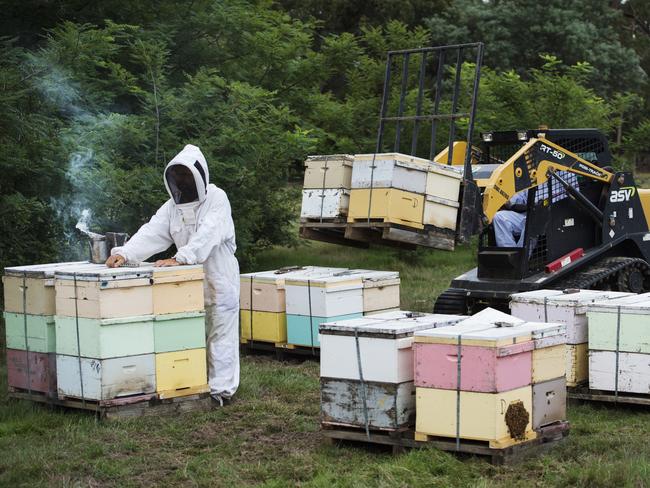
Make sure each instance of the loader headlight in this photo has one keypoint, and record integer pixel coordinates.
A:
(486, 136)
(522, 135)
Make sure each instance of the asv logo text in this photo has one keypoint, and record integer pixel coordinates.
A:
(622, 195)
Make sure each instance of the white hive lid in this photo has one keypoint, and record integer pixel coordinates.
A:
(389, 329)
(637, 304)
(279, 276)
(40, 270)
(100, 272)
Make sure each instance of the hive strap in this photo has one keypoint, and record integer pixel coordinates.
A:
(618, 346)
(458, 377)
(311, 319)
(76, 315)
(251, 305)
(364, 398)
(29, 371)
(545, 309)
(322, 190)
(372, 182)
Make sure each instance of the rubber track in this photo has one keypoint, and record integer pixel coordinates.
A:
(452, 301)
(599, 276)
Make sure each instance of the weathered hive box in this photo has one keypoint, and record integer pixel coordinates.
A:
(39, 287)
(104, 379)
(440, 213)
(483, 416)
(178, 289)
(380, 289)
(390, 170)
(387, 205)
(104, 293)
(444, 181)
(264, 291)
(330, 171)
(577, 364)
(104, 338)
(331, 203)
(179, 331)
(180, 373)
(263, 326)
(492, 359)
(557, 306)
(549, 402)
(384, 347)
(41, 336)
(621, 324)
(39, 375)
(387, 405)
(632, 375)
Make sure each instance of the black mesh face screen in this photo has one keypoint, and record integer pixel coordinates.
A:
(181, 183)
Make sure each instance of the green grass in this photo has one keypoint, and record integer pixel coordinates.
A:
(270, 435)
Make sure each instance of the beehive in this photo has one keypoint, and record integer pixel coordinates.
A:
(105, 379)
(40, 332)
(38, 374)
(387, 205)
(383, 349)
(179, 331)
(330, 203)
(331, 171)
(390, 170)
(549, 402)
(177, 289)
(380, 290)
(263, 326)
(181, 372)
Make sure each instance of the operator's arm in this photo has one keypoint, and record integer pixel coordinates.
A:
(152, 238)
(213, 230)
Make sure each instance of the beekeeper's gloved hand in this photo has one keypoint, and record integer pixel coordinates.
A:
(115, 261)
(167, 262)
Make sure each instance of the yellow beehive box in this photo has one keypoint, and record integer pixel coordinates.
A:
(178, 289)
(37, 281)
(265, 327)
(482, 415)
(181, 373)
(577, 364)
(549, 363)
(388, 205)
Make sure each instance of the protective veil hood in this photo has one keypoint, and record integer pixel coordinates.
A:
(191, 158)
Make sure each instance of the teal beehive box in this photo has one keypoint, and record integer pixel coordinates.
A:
(300, 333)
(105, 338)
(40, 332)
(179, 331)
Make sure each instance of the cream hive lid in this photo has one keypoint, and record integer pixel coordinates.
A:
(342, 280)
(400, 159)
(176, 274)
(279, 276)
(345, 159)
(446, 170)
(396, 315)
(535, 296)
(40, 270)
(637, 304)
(543, 330)
(101, 273)
(387, 329)
(373, 278)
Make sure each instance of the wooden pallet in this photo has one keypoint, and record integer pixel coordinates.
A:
(399, 440)
(125, 407)
(583, 393)
(332, 234)
(281, 349)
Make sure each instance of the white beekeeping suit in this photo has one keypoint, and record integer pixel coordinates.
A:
(197, 219)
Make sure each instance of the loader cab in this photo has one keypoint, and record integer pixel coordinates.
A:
(554, 223)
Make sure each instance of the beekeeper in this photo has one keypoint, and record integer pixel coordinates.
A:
(197, 219)
(510, 222)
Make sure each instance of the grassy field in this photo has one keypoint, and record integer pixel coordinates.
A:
(270, 435)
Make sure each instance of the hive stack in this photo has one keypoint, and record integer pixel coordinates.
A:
(262, 302)
(404, 190)
(326, 188)
(29, 322)
(476, 380)
(367, 369)
(619, 345)
(130, 331)
(569, 309)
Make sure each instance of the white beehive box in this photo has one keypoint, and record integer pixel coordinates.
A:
(632, 376)
(324, 296)
(444, 181)
(330, 171)
(384, 347)
(327, 204)
(441, 212)
(391, 170)
(557, 306)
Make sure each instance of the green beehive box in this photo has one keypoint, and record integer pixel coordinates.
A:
(105, 338)
(629, 316)
(40, 332)
(179, 331)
